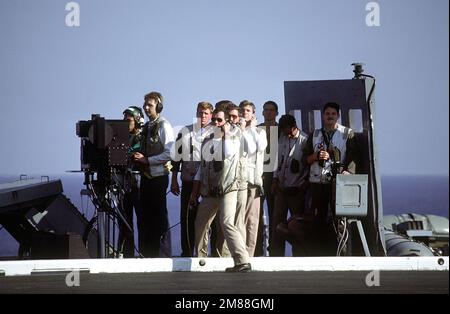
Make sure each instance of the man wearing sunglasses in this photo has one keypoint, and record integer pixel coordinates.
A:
(218, 186)
(206, 206)
(238, 123)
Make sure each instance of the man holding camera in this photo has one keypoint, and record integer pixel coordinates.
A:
(329, 151)
(157, 141)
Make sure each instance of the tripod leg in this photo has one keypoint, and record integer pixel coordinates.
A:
(101, 234)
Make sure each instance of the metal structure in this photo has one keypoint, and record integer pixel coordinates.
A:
(44, 222)
(305, 100)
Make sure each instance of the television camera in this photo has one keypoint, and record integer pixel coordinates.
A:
(104, 156)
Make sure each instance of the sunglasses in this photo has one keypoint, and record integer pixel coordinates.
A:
(217, 120)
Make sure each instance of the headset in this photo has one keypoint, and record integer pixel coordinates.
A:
(137, 114)
(159, 105)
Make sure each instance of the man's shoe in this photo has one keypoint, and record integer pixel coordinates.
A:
(241, 268)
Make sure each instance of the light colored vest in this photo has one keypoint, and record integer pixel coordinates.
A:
(291, 171)
(339, 140)
(152, 146)
(241, 172)
(219, 177)
(192, 141)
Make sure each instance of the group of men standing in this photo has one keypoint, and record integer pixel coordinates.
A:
(229, 166)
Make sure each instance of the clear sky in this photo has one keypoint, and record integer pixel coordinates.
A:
(52, 75)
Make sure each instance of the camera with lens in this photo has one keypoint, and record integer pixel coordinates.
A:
(104, 158)
(321, 161)
(335, 157)
(104, 143)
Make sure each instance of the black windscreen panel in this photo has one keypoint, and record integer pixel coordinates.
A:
(307, 98)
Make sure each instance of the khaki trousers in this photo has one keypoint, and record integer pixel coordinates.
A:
(252, 212)
(240, 212)
(239, 222)
(206, 212)
(226, 207)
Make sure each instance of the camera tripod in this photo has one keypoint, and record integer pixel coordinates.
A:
(107, 197)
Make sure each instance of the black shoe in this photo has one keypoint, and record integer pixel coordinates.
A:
(241, 268)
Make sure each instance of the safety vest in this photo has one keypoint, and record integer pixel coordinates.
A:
(219, 175)
(290, 171)
(323, 174)
(135, 142)
(152, 146)
(241, 177)
(135, 146)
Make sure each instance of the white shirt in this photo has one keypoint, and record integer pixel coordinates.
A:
(255, 142)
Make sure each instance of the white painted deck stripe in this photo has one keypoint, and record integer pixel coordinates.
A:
(149, 265)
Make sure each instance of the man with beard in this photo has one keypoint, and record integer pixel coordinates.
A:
(329, 151)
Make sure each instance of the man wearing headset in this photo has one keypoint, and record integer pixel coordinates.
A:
(135, 117)
(154, 158)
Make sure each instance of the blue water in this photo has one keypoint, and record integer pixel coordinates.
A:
(401, 194)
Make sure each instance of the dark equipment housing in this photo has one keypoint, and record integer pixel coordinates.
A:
(104, 143)
(104, 159)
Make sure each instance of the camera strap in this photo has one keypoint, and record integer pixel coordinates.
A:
(327, 138)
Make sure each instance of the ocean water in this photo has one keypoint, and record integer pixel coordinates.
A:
(401, 194)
